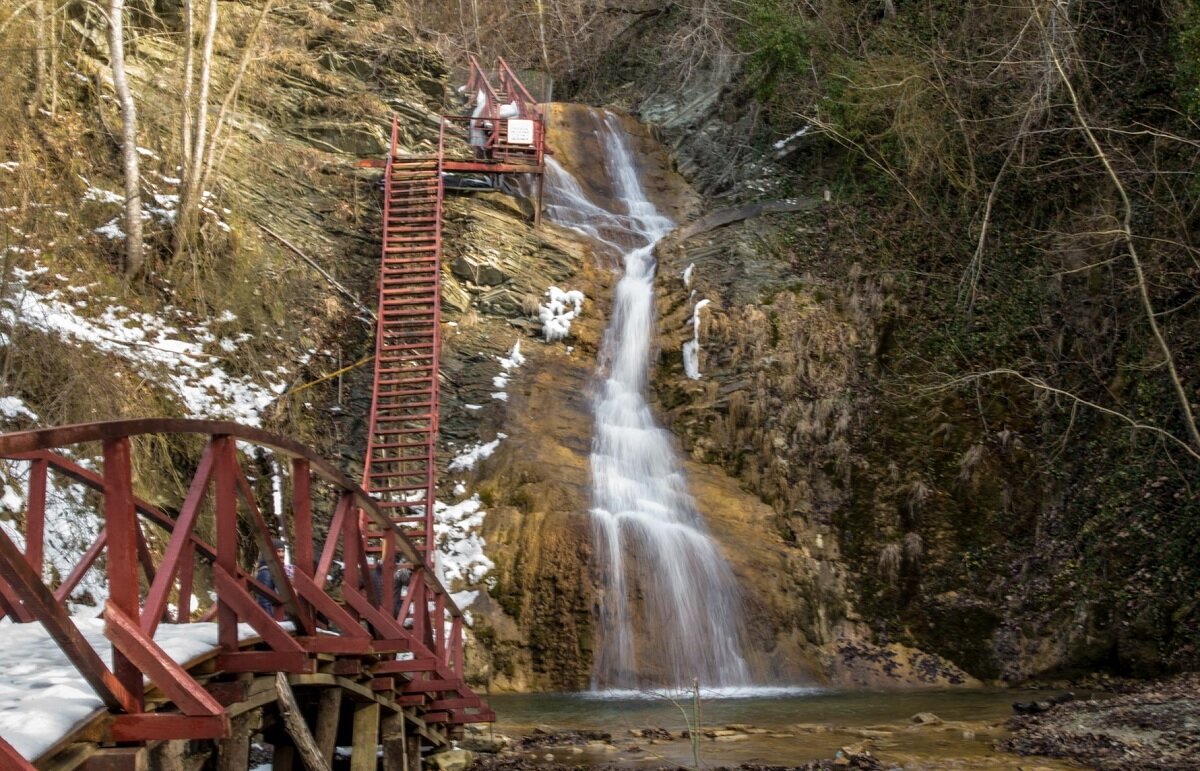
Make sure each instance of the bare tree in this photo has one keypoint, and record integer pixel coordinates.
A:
(1125, 228)
(190, 190)
(231, 95)
(38, 96)
(133, 192)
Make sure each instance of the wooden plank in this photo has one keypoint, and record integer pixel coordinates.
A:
(365, 737)
(120, 518)
(394, 740)
(118, 759)
(345, 667)
(455, 703)
(46, 609)
(233, 753)
(266, 661)
(422, 686)
(332, 644)
(409, 665)
(149, 727)
(293, 720)
(227, 693)
(329, 712)
(153, 661)
(69, 758)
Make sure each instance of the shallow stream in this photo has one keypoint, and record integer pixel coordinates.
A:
(778, 729)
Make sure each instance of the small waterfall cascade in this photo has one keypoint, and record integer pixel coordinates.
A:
(670, 610)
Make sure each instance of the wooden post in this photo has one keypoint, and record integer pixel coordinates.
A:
(284, 756)
(233, 754)
(366, 737)
(121, 521)
(395, 753)
(414, 754)
(329, 709)
(293, 721)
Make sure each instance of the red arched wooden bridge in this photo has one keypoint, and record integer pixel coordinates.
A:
(353, 642)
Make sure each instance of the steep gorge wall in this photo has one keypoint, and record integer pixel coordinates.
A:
(1018, 533)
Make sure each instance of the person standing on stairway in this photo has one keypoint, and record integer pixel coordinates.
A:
(265, 577)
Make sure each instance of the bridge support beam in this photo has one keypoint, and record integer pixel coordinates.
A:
(395, 751)
(329, 711)
(233, 754)
(118, 759)
(366, 736)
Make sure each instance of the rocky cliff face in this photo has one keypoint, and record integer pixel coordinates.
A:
(873, 501)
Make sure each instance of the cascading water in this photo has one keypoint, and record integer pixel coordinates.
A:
(658, 551)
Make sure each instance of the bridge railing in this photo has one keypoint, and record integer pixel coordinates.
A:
(512, 85)
(154, 562)
(493, 134)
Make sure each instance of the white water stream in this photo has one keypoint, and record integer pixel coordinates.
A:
(670, 610)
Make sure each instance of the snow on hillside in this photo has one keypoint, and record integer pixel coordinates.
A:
(189, 358)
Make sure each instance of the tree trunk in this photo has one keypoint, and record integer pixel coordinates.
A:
(39, 59)
(190, 191)
(185, 117)
(231, 96)
(133, 190)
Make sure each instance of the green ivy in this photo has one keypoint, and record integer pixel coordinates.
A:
(1187, 58)
(776, 38)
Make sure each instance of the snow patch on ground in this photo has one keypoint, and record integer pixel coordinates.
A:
(43, 696)
(691, 349)
(507, 364)
(467, 460)
(12, 408)
(158, 206)
(556, 319)
(167, 348)
(786, 140)
(461, 561)
(687, 275)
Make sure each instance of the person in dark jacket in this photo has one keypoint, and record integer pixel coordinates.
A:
(265, 577)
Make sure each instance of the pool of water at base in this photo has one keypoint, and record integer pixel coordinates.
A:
(780, 728)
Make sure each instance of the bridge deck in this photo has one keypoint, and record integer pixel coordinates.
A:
(43, 698)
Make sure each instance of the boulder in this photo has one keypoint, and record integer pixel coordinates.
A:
(451, 760)
(477, 271)
(484, 743)
(926, 718)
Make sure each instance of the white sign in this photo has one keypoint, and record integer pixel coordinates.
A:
(520, 132)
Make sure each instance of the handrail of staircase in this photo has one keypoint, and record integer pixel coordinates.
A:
(509, 79)
(479, 80)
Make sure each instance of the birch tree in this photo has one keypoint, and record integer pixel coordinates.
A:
(133, 191)
(195, 118)
(39, 59)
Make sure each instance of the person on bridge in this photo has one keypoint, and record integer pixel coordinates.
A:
(265, 577)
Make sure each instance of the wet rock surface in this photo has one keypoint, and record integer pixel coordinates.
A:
(1154, 727)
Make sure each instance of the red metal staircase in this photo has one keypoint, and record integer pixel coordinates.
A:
(403, 428)
(400, 466)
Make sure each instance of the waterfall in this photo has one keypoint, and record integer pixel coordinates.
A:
(652, 543)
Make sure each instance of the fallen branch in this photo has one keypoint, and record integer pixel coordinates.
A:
(293, 721)
(324, 273)
(1185, 405)
(1038, 383)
